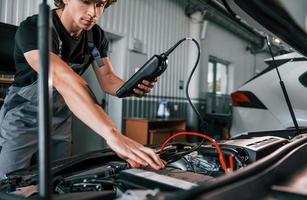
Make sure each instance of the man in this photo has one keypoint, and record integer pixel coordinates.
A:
(76, 43)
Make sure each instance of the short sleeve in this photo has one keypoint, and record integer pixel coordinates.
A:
(26, 35)
(101, 41)
(104, 48)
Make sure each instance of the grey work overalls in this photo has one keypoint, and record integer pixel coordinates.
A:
(19, 124)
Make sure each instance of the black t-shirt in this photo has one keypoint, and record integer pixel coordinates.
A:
(73, 50)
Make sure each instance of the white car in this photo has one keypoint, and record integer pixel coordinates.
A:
(260, 105)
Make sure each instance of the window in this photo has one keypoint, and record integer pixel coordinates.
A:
(217, 76)
(217, 98)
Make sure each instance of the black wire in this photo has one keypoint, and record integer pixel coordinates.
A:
(227, 151)
(109, 182)
(188, 83)
(173, 47)
(204, 124)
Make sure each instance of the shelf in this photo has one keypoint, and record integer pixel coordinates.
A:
(7, 80)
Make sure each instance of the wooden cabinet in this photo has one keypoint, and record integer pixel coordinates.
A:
(153, 131)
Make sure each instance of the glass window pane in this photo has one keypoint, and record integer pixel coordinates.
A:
(210, 77)
(221, 78)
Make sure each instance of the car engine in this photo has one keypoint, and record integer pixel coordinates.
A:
(103, 171)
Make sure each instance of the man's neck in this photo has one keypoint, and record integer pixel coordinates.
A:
(68, 23)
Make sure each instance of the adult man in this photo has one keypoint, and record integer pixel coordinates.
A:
(76, 42)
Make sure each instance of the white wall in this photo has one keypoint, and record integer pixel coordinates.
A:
(227, 46)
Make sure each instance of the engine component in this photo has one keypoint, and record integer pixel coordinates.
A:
(167, 179)
(257, 147)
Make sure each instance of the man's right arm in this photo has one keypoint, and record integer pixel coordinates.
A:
(78, 98)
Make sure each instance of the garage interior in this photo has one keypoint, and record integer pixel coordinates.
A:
(232, 54)
(139, 29)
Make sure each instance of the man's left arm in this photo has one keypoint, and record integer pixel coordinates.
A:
(110, 82)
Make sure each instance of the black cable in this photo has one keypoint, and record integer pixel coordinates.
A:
(227, 152)
(164, 55)
(107, 182)
(175, 156)
(167, 53)
(188, 83)
(204, 124)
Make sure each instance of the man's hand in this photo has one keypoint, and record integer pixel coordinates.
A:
(134, 153)
(143, 88)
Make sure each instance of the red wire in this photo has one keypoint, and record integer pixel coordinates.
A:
(231, 162)
(221, 156)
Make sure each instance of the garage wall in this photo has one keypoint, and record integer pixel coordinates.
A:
(225, 45)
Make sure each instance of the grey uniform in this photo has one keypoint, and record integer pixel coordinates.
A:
(18, 115)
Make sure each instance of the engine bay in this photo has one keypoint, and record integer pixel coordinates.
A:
(105, 174)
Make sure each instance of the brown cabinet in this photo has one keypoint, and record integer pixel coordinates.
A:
(153, 131)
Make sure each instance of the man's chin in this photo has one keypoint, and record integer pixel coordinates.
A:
(88, 28)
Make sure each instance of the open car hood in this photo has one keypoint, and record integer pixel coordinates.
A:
(270, 16)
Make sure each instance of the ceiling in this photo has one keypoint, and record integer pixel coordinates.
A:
(216, 12)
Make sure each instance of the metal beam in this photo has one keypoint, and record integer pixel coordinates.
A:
(44, 90)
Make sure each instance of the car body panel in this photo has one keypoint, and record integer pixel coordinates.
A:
(249, 119)
(268, 90)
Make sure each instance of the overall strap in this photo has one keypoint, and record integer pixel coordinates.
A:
(79, 68)
(93, 49)
(58, 37)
